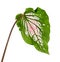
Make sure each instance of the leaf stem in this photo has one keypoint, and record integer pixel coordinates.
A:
(8, 41)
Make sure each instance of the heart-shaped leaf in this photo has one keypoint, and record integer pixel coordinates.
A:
(35, 28)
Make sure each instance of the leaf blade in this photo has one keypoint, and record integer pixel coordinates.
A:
(35, 28)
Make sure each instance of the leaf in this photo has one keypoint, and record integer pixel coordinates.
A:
(35, 28)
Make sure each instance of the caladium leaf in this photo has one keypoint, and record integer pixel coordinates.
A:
(35, 28)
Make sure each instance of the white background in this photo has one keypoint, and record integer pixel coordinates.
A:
(18, 50)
